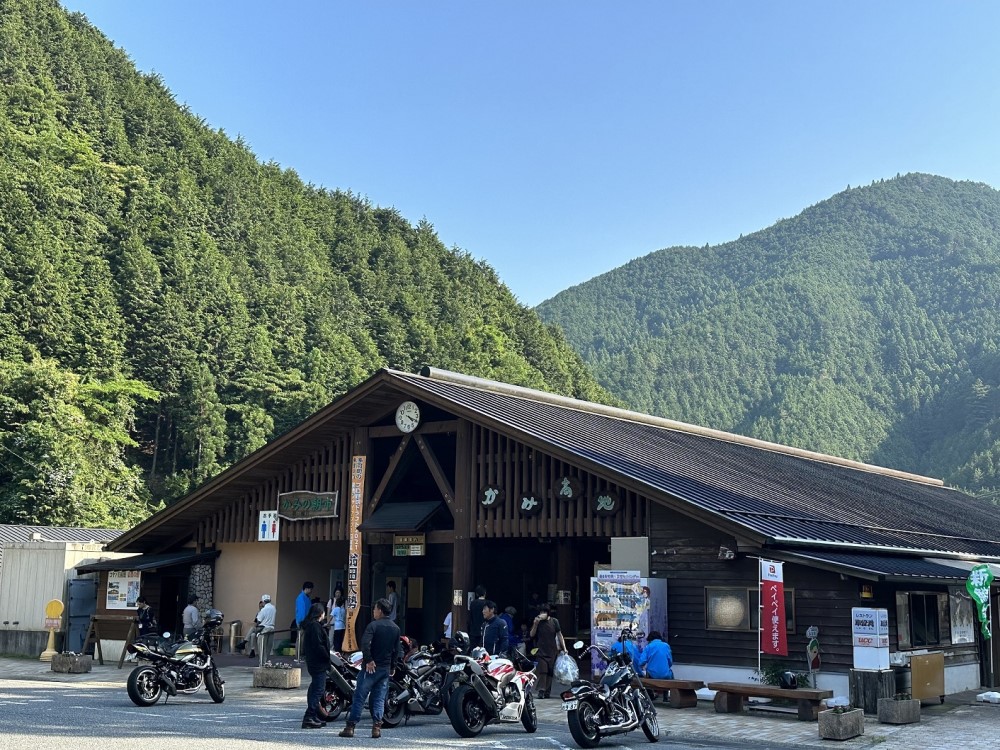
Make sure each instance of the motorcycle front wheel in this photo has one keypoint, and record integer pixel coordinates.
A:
(529, 717)
(583, 725)
(466, 711)
(650, 725)
(144, 686)
(216, 686)
(395, 710)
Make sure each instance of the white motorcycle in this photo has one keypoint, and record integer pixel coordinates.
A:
(486, 689)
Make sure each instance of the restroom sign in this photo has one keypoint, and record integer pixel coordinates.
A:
(269, 526)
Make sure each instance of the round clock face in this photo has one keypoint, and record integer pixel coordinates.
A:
(407, 416)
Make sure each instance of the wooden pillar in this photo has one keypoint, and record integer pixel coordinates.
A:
(463, 557)
(565, 581)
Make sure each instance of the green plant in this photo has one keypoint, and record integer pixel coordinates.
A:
(770, 674)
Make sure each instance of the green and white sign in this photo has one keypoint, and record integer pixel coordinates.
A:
(978, 586)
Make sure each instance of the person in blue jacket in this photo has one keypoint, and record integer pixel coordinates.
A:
(656, 659)
(303, 604)
(630, 647)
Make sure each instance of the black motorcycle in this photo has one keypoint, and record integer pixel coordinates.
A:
(342, 678)
(421, 675)
(615, 705)
(174, 668)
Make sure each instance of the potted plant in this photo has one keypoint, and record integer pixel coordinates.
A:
(841, 722)
(277, 675)
(902, 708)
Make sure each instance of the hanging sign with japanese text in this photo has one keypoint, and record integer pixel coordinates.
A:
(978, 586)
(301, 505)
(773, 638)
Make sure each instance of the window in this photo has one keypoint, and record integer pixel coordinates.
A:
(918, 618)
(739, 609)
(924, 620)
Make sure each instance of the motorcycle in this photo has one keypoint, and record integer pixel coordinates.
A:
(342, 679)
(485, 689)
(422, 674)
(615, 705)
(173, 668)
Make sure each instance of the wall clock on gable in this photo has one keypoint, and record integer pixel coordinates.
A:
(407, 416)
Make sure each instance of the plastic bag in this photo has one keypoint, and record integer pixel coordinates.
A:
(566, 669)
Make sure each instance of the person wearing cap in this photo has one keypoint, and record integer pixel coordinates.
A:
(191, 617)
(265, 621)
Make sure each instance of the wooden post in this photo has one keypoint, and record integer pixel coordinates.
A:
(868, 685)
(463, 559)
(129, 640)
(565, 578)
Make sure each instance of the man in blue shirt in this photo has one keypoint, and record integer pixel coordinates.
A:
(630, 647)
(656, 658)
(303, 603)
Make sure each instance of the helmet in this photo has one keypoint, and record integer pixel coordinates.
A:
(462, 641)
(213, 618)
(480, 654)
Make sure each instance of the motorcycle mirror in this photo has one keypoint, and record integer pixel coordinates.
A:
(578, 645)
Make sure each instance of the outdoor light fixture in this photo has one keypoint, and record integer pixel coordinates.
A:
(867, 591)
(726, 554)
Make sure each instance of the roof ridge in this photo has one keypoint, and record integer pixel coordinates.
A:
(615, 412)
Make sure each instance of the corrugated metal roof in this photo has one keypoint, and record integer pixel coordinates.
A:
(785, 498)
(17, 533)
(402, 516)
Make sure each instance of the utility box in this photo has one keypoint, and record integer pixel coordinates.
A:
(927, 676)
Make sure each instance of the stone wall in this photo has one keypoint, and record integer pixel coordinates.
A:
(202, 584)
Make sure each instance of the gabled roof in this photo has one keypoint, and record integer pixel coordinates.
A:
(18, 533)
(771, 494)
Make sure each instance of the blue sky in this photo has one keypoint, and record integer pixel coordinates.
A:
(559, 140)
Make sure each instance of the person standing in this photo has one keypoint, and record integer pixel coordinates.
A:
(191, 617)
(476, 616)
(548, 639)
(265, 621)
(508, 616)
(316, 650)
(339, 620)
(393, 598)
(379, 649)
(496, 638)
(303, 603)
(145, 617)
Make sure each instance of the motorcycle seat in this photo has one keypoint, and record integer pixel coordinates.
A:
(578, 683)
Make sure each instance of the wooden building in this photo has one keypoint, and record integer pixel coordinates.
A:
(440, 481)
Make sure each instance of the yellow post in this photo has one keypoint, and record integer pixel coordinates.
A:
(53, 611)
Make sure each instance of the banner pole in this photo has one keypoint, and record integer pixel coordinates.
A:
(760, 617)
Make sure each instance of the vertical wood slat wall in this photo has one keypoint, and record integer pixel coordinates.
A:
(518, 470)
(325, 470)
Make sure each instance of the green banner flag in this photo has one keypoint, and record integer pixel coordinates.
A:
(978, 586)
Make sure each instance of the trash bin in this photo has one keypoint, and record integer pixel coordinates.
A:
(235, 634)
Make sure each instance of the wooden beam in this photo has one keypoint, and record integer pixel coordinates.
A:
(390, 470)
(439, 478)
(429, 428)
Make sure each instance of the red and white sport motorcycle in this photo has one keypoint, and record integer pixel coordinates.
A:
(486, 689)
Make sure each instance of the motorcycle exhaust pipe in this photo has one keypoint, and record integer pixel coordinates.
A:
(618, 728)
(487, 697)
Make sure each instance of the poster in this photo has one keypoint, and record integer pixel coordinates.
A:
(623, 599)
(353, 593)
(123, 588)
(773, 636)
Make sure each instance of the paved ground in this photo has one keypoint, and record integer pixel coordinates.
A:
(960, 722)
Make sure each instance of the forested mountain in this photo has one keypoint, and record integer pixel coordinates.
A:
(867, 326)
(168, 303)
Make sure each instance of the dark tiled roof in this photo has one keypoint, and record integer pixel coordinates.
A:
(149, 562)
(884, 566)
(17, 533)
(785, 498)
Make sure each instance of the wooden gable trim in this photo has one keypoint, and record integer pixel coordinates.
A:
(389, 472)
(439, 478)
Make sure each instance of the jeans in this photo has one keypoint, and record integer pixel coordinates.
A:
(316, 688)
(377, 684)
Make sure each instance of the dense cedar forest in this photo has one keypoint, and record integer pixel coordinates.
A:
(168, 303)
(867, 326)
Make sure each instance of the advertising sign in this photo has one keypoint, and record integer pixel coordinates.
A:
(301, 505)
(978, 586)
(353, 600)
(870, 633)
(773, 637)
(123, 588)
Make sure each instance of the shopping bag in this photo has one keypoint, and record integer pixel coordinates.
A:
(566, 669)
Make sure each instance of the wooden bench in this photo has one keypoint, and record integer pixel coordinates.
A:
(682, 692)
(730, 697)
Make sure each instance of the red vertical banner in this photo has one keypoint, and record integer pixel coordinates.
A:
(773, 638)
(353, 593)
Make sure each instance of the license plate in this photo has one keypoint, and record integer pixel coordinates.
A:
(570, 705)
(456, 668)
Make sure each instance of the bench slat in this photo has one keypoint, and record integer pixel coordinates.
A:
(667, 684)
(770, 691)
